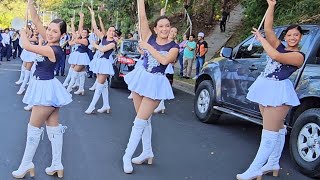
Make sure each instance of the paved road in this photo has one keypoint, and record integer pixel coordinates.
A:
(94, 144)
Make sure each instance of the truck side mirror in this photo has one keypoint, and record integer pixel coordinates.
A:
(226, 52)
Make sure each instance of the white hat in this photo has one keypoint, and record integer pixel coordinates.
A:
(201, 34)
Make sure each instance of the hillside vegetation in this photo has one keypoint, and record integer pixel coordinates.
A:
(287, 12)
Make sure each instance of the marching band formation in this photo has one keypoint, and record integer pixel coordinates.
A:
(148, 83)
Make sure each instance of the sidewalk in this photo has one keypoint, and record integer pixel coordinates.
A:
(215, 40)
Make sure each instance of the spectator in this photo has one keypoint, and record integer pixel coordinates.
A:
(182, 45)
(6, 50)
(130, 36)
(188, 56)
(223, 20)
(1, 44)
(202, 49)
(15, 43)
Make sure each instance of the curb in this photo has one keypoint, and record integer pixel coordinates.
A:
(183, 86)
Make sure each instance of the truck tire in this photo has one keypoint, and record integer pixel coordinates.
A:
(305, 143)
(203, 103)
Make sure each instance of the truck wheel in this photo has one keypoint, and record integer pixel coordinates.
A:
(305, 142)
(204, 101)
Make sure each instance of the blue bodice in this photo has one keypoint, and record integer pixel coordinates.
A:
(83, 48)
(45, 67)
(150, 63)
(276, 70)
(105, 42)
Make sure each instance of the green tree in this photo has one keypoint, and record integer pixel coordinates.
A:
(11, 9)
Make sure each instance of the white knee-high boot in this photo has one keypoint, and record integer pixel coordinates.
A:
(82, 78)
(130, 96)
(76, 83)
(147, 154)
(55, 135)
(24, 83)
(33, 138)
(95, 98)
(267, 144)
(105, 98)
(93, 87)
(68, 78)
(136, 132)
(160, 108)
(74, 77)
(273, 161)
(21, 75)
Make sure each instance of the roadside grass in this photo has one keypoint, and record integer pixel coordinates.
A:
(177, 77)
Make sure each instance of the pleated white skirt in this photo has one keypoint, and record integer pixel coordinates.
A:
(46, 93)
(27, 56)
(268, 92)
(78, 58)
(153, 86)
(102, 66)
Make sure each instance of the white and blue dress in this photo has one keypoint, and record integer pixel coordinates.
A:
(102, 62)
(150, 80)
(45, 89)
(272, 87)
(80, 56)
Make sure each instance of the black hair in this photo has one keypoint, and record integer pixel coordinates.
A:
(62, 25)
(158, 19)
(6, 29)
(193, 35)
(294, 26)
(118, 32)
(86, 29)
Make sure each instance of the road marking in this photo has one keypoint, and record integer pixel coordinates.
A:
(5, 69)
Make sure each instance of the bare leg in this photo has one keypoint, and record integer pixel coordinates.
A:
(273, 117)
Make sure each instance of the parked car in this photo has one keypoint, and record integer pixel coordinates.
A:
(223, 84)
(125, 61)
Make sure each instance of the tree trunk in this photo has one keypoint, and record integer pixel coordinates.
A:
(211, 14)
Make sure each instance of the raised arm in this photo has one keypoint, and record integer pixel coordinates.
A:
(268, 25)
(291, 58)
(104, 48)
(144, 29)
(82, 41)
(36, 20)
(72, 27)
(103, 30)
(80, 28)
(163, 59)
(94, 25)
(38, 49)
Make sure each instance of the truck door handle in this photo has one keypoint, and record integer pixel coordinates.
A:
(253, 68)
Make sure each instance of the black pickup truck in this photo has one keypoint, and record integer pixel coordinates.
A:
(223, 85)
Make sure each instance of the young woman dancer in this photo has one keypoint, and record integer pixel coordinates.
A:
(169, 70)
(97, 54)
(102, 66)
(28, 61)
(74, 47)
(159, 52)
(275, 94)
(46, 94)
(80, 58)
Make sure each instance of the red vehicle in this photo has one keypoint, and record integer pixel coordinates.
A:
(124, 62)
